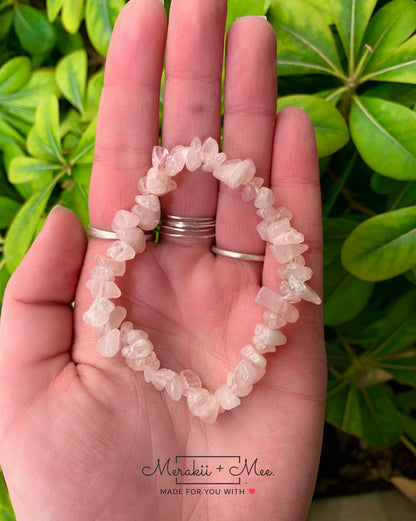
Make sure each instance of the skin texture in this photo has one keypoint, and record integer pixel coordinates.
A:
(75, 428)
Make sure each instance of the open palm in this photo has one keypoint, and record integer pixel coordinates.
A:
(77, 429)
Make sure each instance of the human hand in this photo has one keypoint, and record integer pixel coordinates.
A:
(77, 428)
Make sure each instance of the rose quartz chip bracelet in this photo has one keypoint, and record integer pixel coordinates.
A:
(286, 245)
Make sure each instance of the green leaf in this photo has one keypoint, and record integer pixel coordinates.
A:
(399, 65)
(41, 84)
(24, 226)
(14, 74)
(390, 26)
(19, 107)
(8, 209)
(397, 92)
(331, 131)
(94, 88)
(84, 153)
(351, 19)
(71, 77)
(4, 278)
(345, 295)
(6, 20)
(44, 140)
(82, 174)
(409, 425)
(336, 230)
(100, 16)
(385, 135)
(398, 328)
(5, 505)
(383, 246)
(367, 413)
(238, 8)
(305, 42)
(77, 201)
(403, 369)
(52, 8)
(8, 135)
(24, 169)
(72, 15)
(36, 35)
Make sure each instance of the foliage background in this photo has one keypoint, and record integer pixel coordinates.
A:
(351, 64)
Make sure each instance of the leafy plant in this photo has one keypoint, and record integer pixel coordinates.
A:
(351, 65)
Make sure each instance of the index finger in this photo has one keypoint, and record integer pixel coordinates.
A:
(128, 118)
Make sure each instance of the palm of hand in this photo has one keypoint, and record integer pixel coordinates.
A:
(87, 425)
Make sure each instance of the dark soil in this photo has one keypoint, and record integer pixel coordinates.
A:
(348, 466)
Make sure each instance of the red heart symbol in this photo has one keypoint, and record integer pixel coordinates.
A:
(251, 490)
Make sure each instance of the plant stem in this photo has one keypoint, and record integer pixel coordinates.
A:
(400, 195)
(355, 205)
(334, 94)
(407, 443)
(345, 344)
(340, 185)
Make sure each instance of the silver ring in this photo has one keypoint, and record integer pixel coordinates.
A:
(188, 227)
(105, 234)
(237, 255)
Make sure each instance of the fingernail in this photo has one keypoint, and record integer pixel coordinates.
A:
(264, 17)
(162, 2)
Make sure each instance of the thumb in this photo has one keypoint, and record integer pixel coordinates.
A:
(36, 325)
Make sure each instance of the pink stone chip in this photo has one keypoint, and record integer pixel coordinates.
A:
(253, 356)
(117, 267)
(134, 237)
(214, 162)
(262, 228)
(303, 290)
(99, 312)
(109, 344)
(287, 294)
(124, 219)
(103, 288)
(120, 251)
(271, 300)
(193, 160)
(209, 149)
(174, 388)
(139, 364)
(124, 330)
(276, 228)
(162, 377)
(273, 320)
(101, 272)
(235, 172)
(268, 336)
(141, 348)
(261, 347)
(179, 154)
(226, 398)
(158, 182)
(285, 252)
(264, 199)
(203, 404)
(142, 186)
(290, 237)
(116, 318)
(190, 381)
(159, 156)
(148, 211)
(132, 335)
(245, 375)
(252, 189)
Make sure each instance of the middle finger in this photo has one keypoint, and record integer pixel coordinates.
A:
(192, 97)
